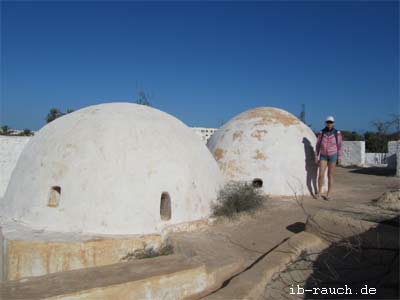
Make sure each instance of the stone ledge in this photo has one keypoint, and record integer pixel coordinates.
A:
(168, 277)
(251, 283)
(334, 227)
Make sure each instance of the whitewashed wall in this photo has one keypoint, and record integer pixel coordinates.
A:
(376, 159)
(398, 162)
(393, 147)
(353, 153)
(10, 149)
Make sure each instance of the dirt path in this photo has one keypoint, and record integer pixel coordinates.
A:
(282, 218)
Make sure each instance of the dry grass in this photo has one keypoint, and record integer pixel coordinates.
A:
(148, 252)
(389, 200)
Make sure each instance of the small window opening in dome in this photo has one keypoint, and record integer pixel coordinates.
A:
(165, 206)
(54, 196)
(257, 183)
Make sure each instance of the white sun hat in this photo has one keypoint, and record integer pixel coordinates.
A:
(330, 118)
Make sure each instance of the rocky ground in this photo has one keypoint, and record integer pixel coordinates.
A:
(256, 235)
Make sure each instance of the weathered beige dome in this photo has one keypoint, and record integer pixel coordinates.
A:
(116, 168)
(269, 146)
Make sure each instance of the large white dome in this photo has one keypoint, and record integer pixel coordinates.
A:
(270, 146)
(106, 169)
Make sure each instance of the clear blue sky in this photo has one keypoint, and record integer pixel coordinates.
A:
(202, 62)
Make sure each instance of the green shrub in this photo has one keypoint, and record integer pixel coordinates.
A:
(237, 197)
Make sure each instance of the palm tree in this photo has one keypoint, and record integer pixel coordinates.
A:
(27, 132)
(143, 99)
(5, 130)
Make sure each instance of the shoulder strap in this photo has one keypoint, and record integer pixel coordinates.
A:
(335, 132)
(336, 137)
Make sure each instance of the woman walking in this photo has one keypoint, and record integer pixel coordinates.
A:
(328, 153)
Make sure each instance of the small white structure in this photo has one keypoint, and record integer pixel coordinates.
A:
(398, 163)
(269, 147)
(116, 168)
(393, 148)
(10, 149)
(375, 159)
(353, 153)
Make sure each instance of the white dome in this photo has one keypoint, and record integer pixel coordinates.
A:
(104, 169)
(267, 144)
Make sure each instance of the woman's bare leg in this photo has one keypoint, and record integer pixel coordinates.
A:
(321, 175)
(331, 169)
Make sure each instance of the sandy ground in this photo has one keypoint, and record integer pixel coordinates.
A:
(281, 218)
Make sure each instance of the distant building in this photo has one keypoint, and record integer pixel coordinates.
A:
(204, 133)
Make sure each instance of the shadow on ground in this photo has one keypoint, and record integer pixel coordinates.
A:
(296, 227)
(377, 171)
(367, 264)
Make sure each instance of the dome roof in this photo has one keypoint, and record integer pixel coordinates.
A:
(271, 147)
(115, 168)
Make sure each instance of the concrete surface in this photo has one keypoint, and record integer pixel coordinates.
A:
(132, 280)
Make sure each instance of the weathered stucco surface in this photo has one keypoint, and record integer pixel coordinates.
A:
(270, 144)
(10, 150)
(111, 163)
(35, 258)
(167, 277)
(353, 153)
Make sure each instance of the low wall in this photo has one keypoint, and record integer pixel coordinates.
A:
(353, 153)
(398, 163)
(393, 147)
(10, 149)
(375, 158)
(30, 258)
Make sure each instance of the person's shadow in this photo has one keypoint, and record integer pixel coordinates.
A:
(311, 167)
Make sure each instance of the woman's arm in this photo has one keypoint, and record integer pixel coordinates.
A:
(339, 146)
(318, 146)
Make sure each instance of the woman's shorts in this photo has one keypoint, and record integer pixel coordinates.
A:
(329, 158)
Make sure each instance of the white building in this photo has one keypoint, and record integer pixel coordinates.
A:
(115, 168)
(269, 147)
(204, 133)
